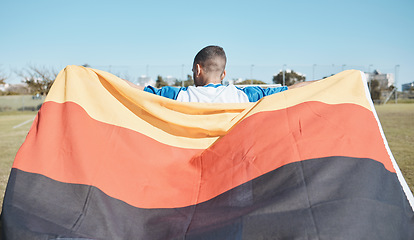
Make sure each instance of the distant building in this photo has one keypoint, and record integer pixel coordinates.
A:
(170, 80)
(408, 86)
(228, 82)
(385, 79)
(232, 81)
(4, 87)
(145, 80)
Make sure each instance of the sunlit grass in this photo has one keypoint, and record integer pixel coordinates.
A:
(397, 121)
(10, 141)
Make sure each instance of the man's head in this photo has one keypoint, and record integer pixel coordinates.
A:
(209, 66)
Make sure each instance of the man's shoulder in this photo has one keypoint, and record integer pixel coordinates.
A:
(255, 93)
(166, 91)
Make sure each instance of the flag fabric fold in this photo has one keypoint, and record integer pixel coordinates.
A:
(104, 160)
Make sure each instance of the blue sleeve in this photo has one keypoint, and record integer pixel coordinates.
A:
(256, 93)
(167, 91)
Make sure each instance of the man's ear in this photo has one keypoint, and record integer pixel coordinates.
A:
(223, 75)
(198, 69)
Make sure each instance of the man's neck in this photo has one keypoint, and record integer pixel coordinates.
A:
(211, 81)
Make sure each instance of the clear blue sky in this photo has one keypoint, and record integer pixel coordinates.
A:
(129, 35)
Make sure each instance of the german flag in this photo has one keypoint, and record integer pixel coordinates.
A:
(104, 160)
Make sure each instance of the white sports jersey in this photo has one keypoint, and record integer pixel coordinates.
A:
(218, 94)
(214, 93)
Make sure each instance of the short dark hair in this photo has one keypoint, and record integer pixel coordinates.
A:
(211, 58)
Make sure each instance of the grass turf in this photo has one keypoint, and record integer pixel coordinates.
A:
(397, 121)
(11, 138)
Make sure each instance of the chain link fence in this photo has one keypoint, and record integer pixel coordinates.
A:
(21, 103)
(260, 72)
(147, 74)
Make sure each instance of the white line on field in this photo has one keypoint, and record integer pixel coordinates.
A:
(23, 123)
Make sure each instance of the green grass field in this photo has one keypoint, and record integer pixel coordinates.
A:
(11, 138)
(397, 121)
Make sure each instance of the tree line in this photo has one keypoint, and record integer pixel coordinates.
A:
(40, 79)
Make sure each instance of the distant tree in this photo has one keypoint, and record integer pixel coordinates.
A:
(250, 81)
(291, 77)
(17, 89)
(375, 90)
(86, 65)
(39, 80)
(2, 76)
(188, 82)
(160, 82)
